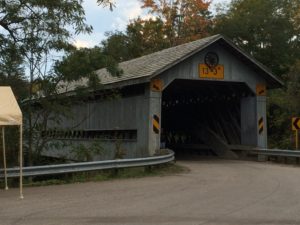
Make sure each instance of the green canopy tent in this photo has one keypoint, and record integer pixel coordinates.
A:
(11, 115)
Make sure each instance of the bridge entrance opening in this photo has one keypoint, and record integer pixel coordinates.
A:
(203, 117)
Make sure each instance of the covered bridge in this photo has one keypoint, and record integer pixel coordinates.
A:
(203, 94)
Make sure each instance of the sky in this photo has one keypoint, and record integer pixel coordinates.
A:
(104, 20)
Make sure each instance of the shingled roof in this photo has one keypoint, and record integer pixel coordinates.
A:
(142, 69)
(155, 63)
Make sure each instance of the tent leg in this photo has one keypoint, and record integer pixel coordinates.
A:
(4, 157)
(21, 162)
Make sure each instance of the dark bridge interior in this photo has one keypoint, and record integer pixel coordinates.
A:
(202, 116)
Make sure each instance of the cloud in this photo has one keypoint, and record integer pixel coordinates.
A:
(133, 10)
(88, 41)
(126, 11)
(119, 24)
(81, 43)
(103, 20)
(91, 5)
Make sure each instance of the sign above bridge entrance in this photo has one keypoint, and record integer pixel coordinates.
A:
(216, 72)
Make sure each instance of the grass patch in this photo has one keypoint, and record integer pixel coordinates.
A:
(104, 175)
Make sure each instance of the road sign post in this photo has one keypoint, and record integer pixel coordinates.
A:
(296, 128)
(297, 144)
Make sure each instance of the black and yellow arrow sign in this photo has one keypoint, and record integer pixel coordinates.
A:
(261, 125)
(155, 122)
(296, 123)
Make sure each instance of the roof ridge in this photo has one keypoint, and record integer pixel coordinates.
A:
(174, 47)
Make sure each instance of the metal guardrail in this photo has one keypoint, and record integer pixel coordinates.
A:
(89, 166)
(266, 151)
(277, 152)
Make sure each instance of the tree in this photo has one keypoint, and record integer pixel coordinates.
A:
(55, 107)
(170, 23)
(37, 30)
(184, 20)
(117, 45)
(83, 62)
(268, 29)
(79, 62)
(147, 36)
(34, 29)
(141, 37)
(109, 3)
(12, 72)
(282, 106)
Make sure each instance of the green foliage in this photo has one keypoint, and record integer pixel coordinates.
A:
(183, 20)
(169, 24)
(86, 152)
(266, 29)
(83, 62)
(31, 21)
(12, 72)
(108, 3)
(112, 67)
(293, 88)
(120, 151)
(282, 106)
(79, 63)
(140, 38)
(33, 31)
(270, 31)
(148, 36)
(11, 144)
(117, 45)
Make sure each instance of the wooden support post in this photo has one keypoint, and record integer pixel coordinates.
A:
(4, 157)
(21, 162)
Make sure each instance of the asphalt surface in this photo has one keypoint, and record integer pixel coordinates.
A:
(213, 192)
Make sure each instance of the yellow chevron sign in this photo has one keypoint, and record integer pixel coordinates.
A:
(296, 123)
(155, 122)
(261, 125)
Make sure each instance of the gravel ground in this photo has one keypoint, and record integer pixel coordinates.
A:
(213, 192)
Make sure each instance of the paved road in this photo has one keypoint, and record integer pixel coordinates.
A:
(214, 192)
